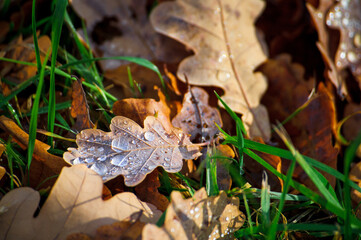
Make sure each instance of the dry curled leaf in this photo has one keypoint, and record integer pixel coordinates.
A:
(198, 118)
(131, 151)
(227, 51)
(74, 205)
(199, 217)
(80, 108)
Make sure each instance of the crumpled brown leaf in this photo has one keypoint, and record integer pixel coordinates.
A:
(199, 217)
(122, 28)
(74, 205)
(198, 118)
(132, 151)
(227, 51)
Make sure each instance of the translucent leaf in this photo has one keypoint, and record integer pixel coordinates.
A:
(132, 151)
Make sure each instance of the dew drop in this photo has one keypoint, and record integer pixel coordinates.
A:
(166, 164)
(149, 136)
(167, 159)
(101, 169)
(91, 149)
(132, 142)
(196, 209)
(102, 158)
(191, 211)
(125, 122)
(357, 40)
(222, 235)
(227, 218)
(351, 56)
(76, 161)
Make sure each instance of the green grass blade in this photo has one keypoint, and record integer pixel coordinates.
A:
(211, 175)
(265, 203)
(34, 113)
(349, 156)
(35, 38)
(57, 21)
(232, 114)
(288, 155)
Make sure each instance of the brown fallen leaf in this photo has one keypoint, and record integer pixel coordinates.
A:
(325, 44)
(74, 205)
(224, 179)
(198, 118)
(46, 164)
(79, 107)
(147, 191)
(2, 172)
(122, 28)
(227, 51)
(345, 16)
(22, 50)
(199, 217)
(145, 77)
(312, 129)
(139, 109)
(131, 151)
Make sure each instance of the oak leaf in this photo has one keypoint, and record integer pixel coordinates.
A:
(227, 51)
(131, 151)
(74, 205)
(345, 16)
(198, 118)
(199, 217)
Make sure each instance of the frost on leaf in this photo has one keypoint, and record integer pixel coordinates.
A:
(227, 51)
(198, 118)
(132, 151)
(200, 217)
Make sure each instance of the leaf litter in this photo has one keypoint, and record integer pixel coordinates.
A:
(131, 151)
(199, 217)
(227, 51)
(74, 205)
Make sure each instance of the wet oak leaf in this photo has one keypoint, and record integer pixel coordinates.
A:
(345, 16)
(199, 217)
(198, 119)
(74, 205)
(132, 151)
(223, 36)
